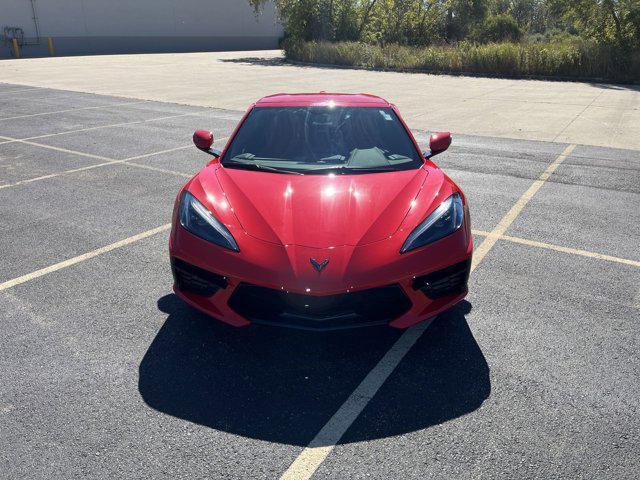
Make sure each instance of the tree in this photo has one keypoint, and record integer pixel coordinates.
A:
(315, 19)
(499, 28)
(615, 22)
(463, 16)
(413, 22)
(381, 21)
(423, 22)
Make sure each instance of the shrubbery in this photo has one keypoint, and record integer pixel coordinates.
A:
(568, 38)
(575, 59)
(499, 28)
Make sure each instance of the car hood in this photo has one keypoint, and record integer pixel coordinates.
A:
(319, 211)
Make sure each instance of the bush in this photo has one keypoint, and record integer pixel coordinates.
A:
(499, 28)
(571, 59)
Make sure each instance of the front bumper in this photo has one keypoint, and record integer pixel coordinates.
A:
(400, 292)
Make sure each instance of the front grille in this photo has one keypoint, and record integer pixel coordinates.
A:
(189, 278)
(345, 310)
(448, 281)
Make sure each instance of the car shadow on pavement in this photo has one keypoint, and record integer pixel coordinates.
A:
(282, 385)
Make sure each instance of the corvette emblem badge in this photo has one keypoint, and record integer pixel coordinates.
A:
(319, 266)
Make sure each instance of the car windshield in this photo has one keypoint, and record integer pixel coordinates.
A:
(308, 140)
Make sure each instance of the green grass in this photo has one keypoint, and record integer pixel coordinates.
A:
(570, 59)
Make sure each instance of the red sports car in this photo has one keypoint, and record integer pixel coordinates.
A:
(321, 213)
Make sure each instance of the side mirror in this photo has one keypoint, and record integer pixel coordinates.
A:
(203, 139)
(438, 143)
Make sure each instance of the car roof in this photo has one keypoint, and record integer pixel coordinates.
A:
(322, 99)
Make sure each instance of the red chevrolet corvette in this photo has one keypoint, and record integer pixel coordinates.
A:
(321, 213)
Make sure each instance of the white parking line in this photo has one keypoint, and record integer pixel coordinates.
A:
(72, 110)
(304, 466)
(81, 258)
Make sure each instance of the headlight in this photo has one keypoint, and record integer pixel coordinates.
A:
(198, 220)
(443, 221)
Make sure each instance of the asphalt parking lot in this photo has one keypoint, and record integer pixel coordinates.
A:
(105, 373)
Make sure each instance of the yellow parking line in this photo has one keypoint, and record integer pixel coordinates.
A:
(107, 248)
(121, 124)
(51, 147)
(574, 251)
(506, 221)
(159, 152)
(81, 258)
(98, 127)
(72, 110)
(90, 167)
(304, 466)
(109, 161)
(560, 248)
(157, 169)
(319, 448)
(19, 90)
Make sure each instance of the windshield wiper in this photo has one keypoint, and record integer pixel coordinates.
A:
(343, 169)
(257, 166)
(385, 168)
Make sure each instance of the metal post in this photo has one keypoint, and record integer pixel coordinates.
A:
(35, 21)
(50, 43)
(16, 49)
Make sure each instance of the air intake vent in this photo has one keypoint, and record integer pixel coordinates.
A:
(448, 281)
(375, 306)
(190, 278)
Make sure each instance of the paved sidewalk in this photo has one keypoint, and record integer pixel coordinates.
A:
(582, 113)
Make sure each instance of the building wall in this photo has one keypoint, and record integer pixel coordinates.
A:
(134, 26)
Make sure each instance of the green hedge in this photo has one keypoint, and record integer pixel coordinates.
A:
(575, 59)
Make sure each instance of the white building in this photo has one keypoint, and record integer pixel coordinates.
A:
(134, 26)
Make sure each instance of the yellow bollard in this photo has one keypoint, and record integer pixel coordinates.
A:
(16, 49)
(50, 43)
